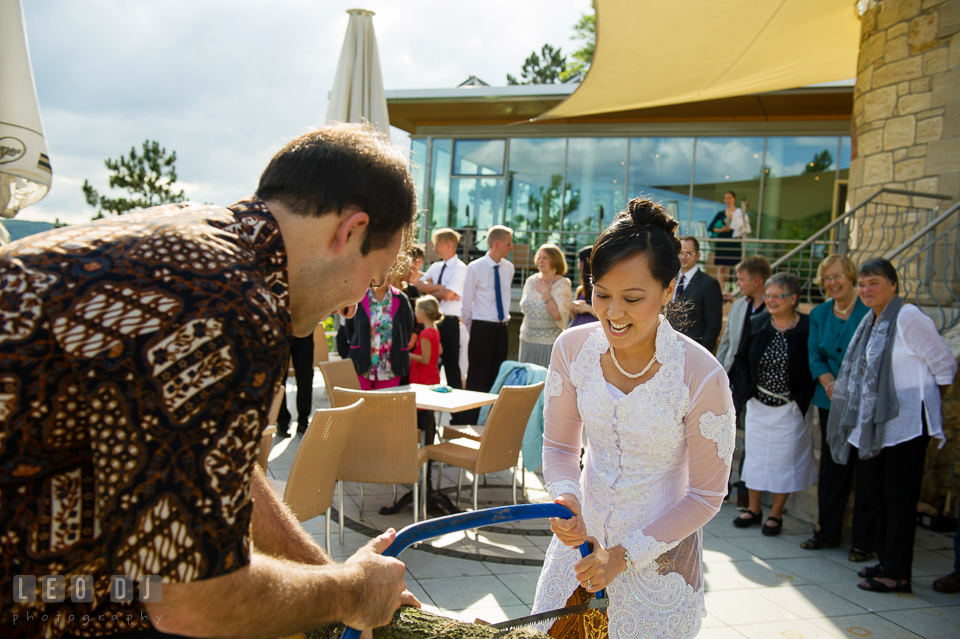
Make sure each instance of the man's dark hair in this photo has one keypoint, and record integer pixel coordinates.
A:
(690, 238)
(880, 267)
(343, 165)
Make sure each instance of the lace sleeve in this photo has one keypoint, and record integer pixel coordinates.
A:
(710, 425)
(562, 425)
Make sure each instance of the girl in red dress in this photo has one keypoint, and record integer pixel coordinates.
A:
(423, 358)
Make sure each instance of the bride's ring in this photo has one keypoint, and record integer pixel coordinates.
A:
(589, 584)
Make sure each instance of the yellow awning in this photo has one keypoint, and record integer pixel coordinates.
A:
(659, 52)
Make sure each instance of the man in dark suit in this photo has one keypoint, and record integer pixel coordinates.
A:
(705, 308)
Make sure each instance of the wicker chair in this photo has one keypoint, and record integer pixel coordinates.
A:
(383, 446)
(266, 438)
(340, 373)
(500, 439)
(308, 490)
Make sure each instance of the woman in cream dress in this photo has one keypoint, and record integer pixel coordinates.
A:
(659, 420)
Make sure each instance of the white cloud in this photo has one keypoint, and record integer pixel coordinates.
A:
(225, 83)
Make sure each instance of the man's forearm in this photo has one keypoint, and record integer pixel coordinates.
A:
(428, 287)
(269, 598)
(276, 531)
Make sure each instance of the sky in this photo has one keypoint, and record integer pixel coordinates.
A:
(226, 84)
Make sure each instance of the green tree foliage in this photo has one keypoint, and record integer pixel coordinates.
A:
(821, 162)
(148, 178)
(541, 70)
(584, 31)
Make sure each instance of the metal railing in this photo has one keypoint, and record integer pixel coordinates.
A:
(888, 220)
(928, 265)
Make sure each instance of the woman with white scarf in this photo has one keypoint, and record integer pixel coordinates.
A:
(887, 404)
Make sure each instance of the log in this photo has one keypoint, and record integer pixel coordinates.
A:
(413, 623)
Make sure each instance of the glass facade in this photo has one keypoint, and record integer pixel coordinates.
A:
(564, 190)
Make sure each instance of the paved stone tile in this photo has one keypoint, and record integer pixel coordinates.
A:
(923, 589)
(490, 614)
(875, 601)
(795, 629)
(719, 549)
(927, 622)
(735, 607)
(927, 563)
(817, 570)
(719, 632)
(523, 585)
(460, 593)
(864, 626)
(423, 565)
(414, 587)
(759, 574)
(811, 602)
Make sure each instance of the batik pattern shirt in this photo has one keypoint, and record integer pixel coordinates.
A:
(381, 337)
(138, 357)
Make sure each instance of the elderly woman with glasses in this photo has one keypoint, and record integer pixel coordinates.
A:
(771, 378)
(832, 325)
(887, 404)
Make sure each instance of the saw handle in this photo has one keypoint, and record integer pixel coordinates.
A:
(431, 528)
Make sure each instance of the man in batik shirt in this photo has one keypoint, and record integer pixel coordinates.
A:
(138, 357)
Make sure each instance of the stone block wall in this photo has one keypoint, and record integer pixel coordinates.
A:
(906, 103)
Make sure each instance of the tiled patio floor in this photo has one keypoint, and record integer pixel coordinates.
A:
(756, 586)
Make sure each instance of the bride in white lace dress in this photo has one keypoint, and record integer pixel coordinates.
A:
(660, 443)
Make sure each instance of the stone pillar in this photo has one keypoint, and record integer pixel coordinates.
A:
(906, 134)
(906, 103)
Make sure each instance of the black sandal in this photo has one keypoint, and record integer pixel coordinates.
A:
(816, 544)
(772, 531)
(879, 586)
(746, 522)
(858, 556)
(870, 572)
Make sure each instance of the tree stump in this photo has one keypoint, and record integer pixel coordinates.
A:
(413, 623)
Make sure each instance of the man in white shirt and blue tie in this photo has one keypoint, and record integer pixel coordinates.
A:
(444, 280)
(486, 314)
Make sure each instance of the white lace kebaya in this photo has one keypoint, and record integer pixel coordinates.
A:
(655, 471)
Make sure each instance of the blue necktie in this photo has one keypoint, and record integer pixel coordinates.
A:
(496, 289)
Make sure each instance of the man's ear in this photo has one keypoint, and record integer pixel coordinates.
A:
(352, 227)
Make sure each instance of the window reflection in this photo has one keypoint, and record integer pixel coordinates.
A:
(478, 157)
(418, 168)
(475, 202)
(660, 169)
(438, 195)
(534, 179)
(798, 191)
(596, 176)
(725, 164)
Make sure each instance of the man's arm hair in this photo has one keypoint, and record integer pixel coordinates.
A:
(272, 597)
(276, 530)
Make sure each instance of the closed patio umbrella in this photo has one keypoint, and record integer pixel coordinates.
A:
(358, 86)
(25, 173)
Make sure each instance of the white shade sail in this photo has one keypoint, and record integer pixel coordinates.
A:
(658, 52)
(25, 173)
(358, 86)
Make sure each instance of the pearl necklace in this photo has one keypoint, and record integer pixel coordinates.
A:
(796, 318)
(837, 308)
(631, 375)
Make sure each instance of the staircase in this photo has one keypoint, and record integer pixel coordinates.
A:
(907, 228)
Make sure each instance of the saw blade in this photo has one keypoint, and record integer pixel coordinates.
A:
(520, 622)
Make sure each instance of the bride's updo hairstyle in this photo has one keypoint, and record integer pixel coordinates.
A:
(644, 229)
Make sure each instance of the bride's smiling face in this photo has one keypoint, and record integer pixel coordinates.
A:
(627, 300)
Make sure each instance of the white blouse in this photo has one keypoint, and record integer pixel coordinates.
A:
(736, 222)
(922, 361)
(655, 471)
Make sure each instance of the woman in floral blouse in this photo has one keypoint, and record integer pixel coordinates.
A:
(379, 335)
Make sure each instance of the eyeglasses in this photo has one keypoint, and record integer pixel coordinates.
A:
(833, 278)
(770, 298)
(688, 253)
